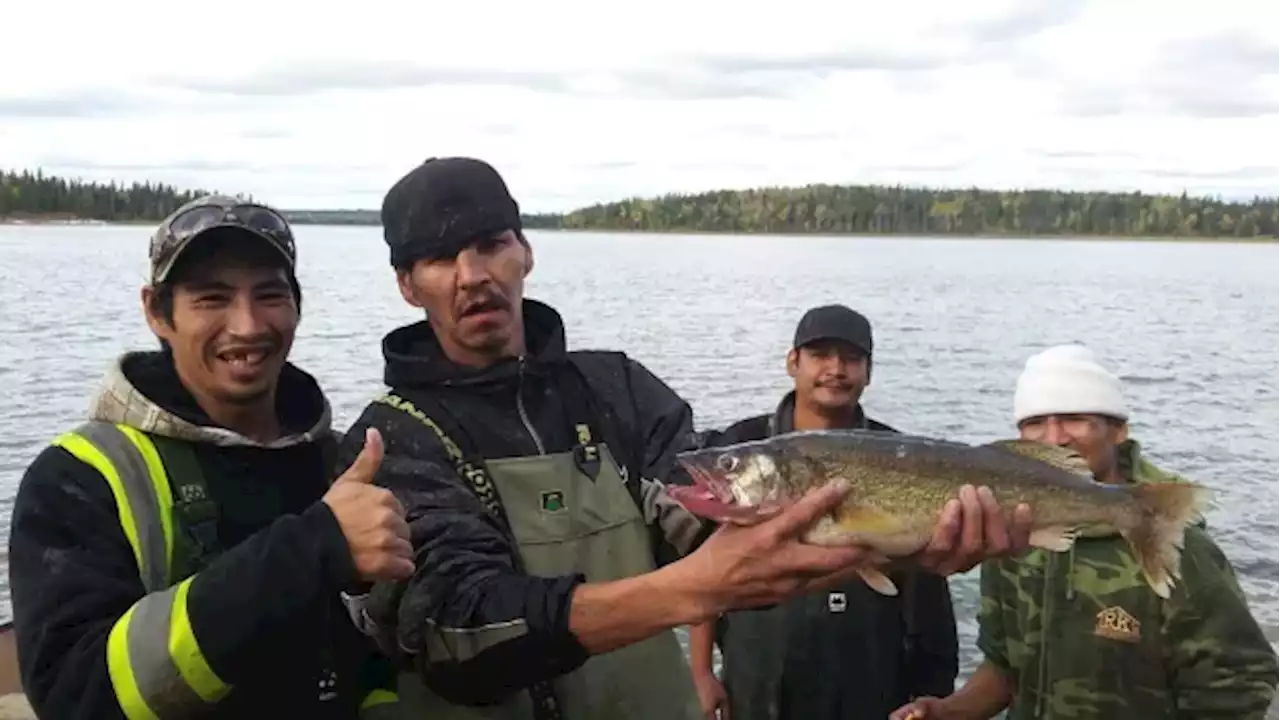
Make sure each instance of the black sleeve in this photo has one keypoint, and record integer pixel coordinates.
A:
(662, 424)
(73, 576)
(934, 663)
(475, 628)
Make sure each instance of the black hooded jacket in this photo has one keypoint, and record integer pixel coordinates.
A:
(265, 610)
(844, 654)
(467, 575)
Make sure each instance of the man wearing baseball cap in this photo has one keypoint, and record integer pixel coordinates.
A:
(1083, 634)
(547, 581)
(797, 659)
(182, 553)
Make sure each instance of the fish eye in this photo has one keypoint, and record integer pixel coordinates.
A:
(726, 463)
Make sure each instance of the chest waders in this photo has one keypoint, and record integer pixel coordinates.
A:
(171, 523)
(568, 512)
(755, 644)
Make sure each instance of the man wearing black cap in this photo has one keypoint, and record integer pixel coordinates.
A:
(847, 652)
(182, 554)
(546, 583)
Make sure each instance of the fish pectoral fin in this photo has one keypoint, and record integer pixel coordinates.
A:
(877, 581)
(1058, 538)
(1059, 457)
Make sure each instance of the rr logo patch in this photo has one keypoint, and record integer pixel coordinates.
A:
(1116, 623)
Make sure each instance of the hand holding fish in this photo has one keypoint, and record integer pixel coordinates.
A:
(744, 566)
(976, 521)
(912, 498)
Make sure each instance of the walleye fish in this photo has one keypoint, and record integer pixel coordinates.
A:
(900, 484)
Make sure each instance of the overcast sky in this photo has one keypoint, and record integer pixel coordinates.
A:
(585, 102)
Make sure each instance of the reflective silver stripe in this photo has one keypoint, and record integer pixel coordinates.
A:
(159, 680)
(358, 613)
(141, 493)
(463, 644)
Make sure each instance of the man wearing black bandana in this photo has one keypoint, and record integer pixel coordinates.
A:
(550, 565)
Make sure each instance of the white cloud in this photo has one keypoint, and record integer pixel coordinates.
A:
(578, 103)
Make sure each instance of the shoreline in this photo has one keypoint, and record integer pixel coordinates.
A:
(1260, 239)
(1215, 239)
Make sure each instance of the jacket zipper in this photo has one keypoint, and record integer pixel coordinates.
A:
(524, 416)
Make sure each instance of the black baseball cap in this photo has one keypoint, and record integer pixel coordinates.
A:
(443, 205)
(834, 322)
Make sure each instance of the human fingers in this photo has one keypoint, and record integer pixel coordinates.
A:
(400, 548)
(394, 503)
(1020, 532)
(995, 530)
(971, 525)
(398, 568)
(366, 464)
(816, 562)
(805, 512)
(945, 532)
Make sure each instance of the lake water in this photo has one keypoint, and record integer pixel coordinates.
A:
(1191, 328)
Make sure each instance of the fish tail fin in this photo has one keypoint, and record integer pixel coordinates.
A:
(1164, 511)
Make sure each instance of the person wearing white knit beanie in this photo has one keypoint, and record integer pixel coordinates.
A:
(1067, 380)
(1064, 396)
(1083, 634)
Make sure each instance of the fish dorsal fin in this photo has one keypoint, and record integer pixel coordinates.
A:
(1059, 457)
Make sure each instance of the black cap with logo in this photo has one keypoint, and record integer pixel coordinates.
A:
(834, 322)
(443, 205)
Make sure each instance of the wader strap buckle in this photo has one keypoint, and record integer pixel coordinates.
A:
(587, 458)
(195, 511)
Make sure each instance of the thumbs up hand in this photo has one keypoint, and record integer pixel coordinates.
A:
(371, 518)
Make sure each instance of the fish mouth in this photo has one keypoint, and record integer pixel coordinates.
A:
(710, 496)
(706, 482)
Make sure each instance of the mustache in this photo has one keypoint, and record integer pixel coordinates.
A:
(487, 300)
(836, 383)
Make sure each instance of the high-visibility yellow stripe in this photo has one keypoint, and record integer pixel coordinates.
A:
(153, 657)
(84, 451)
(160, 480)
(378, 697)
(185, 651)
(121, 671)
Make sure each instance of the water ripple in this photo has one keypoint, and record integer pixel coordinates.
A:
(1190, 327)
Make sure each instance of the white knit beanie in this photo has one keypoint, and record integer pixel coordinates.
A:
(1065, 380)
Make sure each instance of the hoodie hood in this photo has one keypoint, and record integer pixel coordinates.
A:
(1136, 468)
(414, 357)
(142, 390)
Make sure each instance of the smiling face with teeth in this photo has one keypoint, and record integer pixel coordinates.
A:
(230, 318)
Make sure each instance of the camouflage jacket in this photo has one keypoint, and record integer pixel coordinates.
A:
(1082, 635)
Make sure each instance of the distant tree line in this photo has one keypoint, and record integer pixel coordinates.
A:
(36, 195)
(901, 210)
(812, 209)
